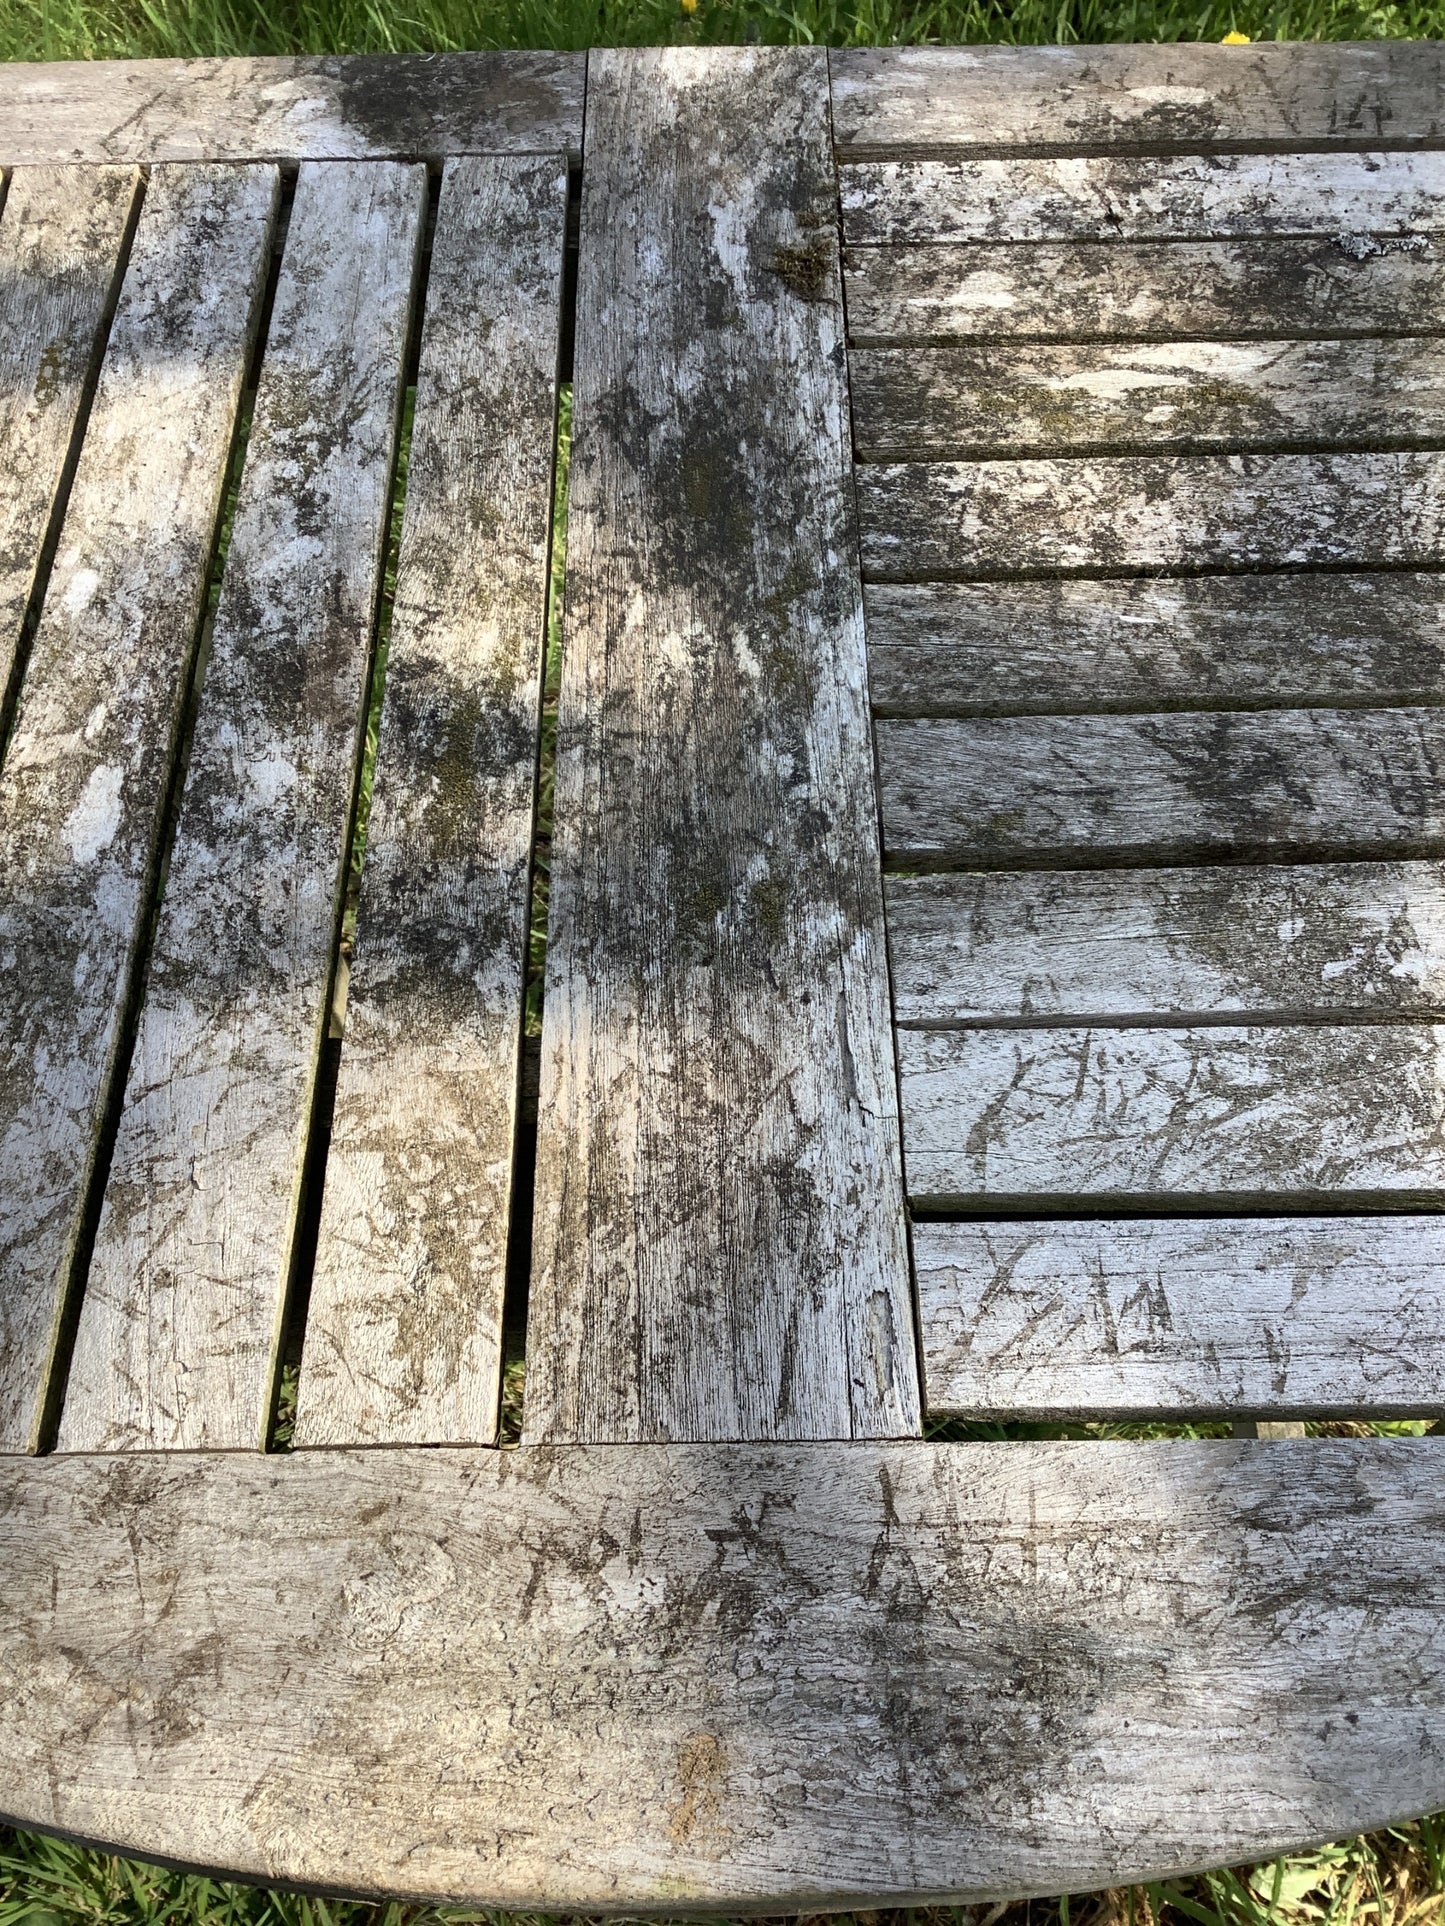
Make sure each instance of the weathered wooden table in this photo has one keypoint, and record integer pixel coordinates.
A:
(1133, 363)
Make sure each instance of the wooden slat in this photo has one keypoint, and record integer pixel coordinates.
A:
(403, 1332)
(398, 106)
(1364, 939)
(725, 1677)
(1196, 1118)
(1148, 512)
(1201, 397)
(185, 1295)
(719, 1245)
(60, 252)
(85, 780)
(1146, 290)
(1191, 197)
(1203, 642)
(1284, 1317)
(1187, 96)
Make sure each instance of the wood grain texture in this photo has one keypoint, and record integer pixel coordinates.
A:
(1241, 942)
(1197, 1118)
(1206, 642)
(1183, 397)
(397, 106)
(1187, 96)
(403, 1331)
(1144, 290)
(1193, 197)
(1153, 512)
(1074, 790)
(875, 1674)
(1286, 1318)
(60, 252)
(86, 775)
(183, 1304)
(719, 1247)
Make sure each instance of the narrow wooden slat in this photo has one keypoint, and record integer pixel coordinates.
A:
(1154, 97)
(719, 1248)
(1039, 790)
(85, 780)
(398, 106)
(1202, 397)
(1203, 642)
(403, 1331)
(725, 1677)
(1147, 290)
(1363, 939)
(1195, 1118)
(1290, 1318)
(1153, 512)
(1191, 197)
(60, 251)
(186, 1290)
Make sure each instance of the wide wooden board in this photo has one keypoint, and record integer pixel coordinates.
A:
(1286, 1318)
(1242, 942)
(183, 1304)
(295, 108)
(1153, 512)
(1144, 290)
(1190, 96)
(872, 1674)
(86, 776)
(1193, 1118)
(1058, 646)
(719, 1240)
(61, 243)
(404, 1322)
(922, 403)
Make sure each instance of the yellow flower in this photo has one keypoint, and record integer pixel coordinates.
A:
(688, 6)
(1229, 40)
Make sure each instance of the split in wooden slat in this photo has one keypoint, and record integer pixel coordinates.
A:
(1209, 1118)
(1072, 791)
(1345, 284)
(403, 1329)
(291, 109)
(1189, 96)
(1285, 1318)
(920, 403)
(1193, 197)
(803, 1675)
(87, 772)
(1240, 942)
(719, 1240)
(1203, 642)
(1121, 514)
(181, 1316)
(61, 244)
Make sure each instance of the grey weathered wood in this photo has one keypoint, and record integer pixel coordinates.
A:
(403, 1329)
(719, 1246)
(1186, 397)
(1192, 197)
(1205, 642)
(1071, 790)
(922, 99)
(60, 252)
(1127, 513)
(1211, 1117)
(85, 780)
(670, 1679)
(1243, 942)
(1171, 291)
(398, 106)
(180, 1320)
(1288, 1318)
